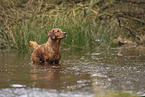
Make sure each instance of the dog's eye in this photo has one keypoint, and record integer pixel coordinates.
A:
(58, 31)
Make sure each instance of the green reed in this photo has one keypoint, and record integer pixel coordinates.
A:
(82, 23)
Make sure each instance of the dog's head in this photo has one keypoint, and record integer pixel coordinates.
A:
(56, 34)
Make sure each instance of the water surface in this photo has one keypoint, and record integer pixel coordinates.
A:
(80, 74)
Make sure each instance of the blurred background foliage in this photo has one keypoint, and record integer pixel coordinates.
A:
(88, 23)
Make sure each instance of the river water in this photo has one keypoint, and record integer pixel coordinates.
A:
(80, 73)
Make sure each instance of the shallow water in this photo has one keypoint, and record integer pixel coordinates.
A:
(80, 74)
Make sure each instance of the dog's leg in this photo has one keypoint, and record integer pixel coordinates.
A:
(35, 58)
(46, 60)
(57, 62)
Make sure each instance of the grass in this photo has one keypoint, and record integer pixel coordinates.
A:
(86, 24)
(117, 94)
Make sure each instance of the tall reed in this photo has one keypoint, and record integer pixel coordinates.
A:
(85, 24)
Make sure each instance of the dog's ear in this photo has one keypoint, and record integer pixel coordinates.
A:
(51, 34)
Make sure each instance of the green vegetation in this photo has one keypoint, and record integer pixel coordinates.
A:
(117, 94)
(88, 23)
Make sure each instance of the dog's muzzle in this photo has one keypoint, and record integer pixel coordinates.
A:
(64, 35)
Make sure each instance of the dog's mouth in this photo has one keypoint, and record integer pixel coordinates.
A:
(56, 35)
(64, 36)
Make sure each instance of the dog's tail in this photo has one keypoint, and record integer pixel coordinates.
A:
(33, 44)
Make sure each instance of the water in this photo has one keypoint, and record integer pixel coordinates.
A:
(80, 74)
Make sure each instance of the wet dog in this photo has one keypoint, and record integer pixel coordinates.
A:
(50, 52)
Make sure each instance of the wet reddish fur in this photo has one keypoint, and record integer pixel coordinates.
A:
(50, 52)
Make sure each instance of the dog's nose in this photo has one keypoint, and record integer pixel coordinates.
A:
(64, 33)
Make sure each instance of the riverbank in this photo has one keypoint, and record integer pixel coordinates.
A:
(88, 24)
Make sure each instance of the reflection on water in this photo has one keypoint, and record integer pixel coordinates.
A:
(46, 76)
(37, 92)
(79, 74)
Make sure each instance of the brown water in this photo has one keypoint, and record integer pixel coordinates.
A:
(80, 74)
